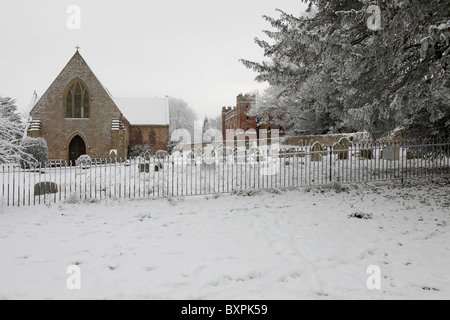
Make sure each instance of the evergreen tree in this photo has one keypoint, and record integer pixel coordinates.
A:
(35, 152)
(11, 132)
(331, 67)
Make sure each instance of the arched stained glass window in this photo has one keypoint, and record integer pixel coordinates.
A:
(69, 105)
(77, 100)
(86, 105)
(77, 106)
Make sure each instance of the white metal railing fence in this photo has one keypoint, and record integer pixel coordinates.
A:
(222, 170)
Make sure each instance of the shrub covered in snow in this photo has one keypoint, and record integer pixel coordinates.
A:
(174, 146)
(35, 151)
(138, 151)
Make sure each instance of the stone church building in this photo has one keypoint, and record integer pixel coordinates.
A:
(78, 116)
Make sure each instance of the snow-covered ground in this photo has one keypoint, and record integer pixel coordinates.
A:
(293, 244)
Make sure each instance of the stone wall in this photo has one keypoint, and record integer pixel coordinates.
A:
(326, 139)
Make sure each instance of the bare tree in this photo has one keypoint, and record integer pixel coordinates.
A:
(181, 116)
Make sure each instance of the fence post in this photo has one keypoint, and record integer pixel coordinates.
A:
(331, 164)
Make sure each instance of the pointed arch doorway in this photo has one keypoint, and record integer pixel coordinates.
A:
(77, 148)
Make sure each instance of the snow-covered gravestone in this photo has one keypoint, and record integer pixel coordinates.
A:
(316, 152)
(43, 188)
(161, 154)
(342, 149)
(147, 156)
(113, 156)
(160, 158)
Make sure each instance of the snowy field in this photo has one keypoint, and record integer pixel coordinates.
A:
(294, 244)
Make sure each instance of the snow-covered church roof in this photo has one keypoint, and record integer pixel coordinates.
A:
(145, 111)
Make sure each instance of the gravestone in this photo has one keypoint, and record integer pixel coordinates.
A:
(343, 147)
(316, 152)
(43, 188)
(161, 154)
(414, 154)
(391, 153)
(147, 156)
(191, 157)
(366, 153)
(159, 166)
(144, 167)
(113, 156)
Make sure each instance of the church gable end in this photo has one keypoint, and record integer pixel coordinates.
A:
(77, 102)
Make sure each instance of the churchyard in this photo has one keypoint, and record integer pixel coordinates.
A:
(221, 170)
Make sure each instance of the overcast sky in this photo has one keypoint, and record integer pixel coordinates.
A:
(189, 49)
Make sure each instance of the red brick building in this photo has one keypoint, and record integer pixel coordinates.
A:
(78, 116)
(235, 118)
(142, 111)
